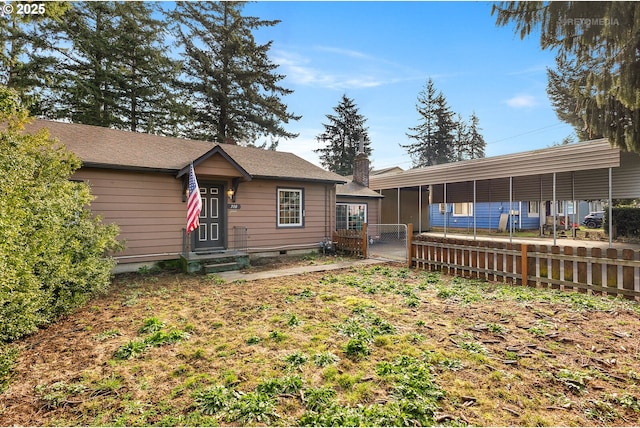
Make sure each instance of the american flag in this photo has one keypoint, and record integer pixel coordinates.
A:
(194, 203)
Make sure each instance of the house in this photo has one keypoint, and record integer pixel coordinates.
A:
(256, 201)
(525, 214)
(389, 170)
(356, 204)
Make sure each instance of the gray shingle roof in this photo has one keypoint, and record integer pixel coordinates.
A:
(97, 146)
(354, 189)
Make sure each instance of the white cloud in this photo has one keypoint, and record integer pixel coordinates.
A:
(522, 101)
(325, 67)
(345, 52)
(533, 70)
(299, 70)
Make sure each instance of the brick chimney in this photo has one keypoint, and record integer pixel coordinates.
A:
(361, 167)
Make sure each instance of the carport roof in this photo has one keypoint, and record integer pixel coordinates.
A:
(590, 155)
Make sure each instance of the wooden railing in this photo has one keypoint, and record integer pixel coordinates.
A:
(609, 271)
(353, 242)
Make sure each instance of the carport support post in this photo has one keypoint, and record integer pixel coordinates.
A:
(575, 205)
(398, 205)
(610, 210)
(446, 209)
(554, 210)
(474, 210)
(420, 208)
(511, 228)
(409, 245)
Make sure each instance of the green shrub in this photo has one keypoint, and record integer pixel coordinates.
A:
(8, 356)
(52, 252)
(626, 221)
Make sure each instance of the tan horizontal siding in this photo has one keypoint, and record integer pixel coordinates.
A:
(147, 207)
(151, 214)
(258, 202)
(216, 166)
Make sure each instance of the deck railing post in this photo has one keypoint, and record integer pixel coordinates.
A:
(409, 245)
(525, 265)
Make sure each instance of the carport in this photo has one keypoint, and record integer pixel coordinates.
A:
(589, 170)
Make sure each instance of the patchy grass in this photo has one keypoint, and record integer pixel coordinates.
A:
(380, 345)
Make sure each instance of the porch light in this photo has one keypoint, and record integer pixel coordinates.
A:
(230, 194)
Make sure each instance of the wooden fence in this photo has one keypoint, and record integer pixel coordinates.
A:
(607, 271)
(352, 242)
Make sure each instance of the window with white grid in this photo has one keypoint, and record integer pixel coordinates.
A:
(290, 211)
(350, 216)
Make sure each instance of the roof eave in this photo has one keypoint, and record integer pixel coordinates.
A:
(345, 195)
(127, 167)
(305, 179)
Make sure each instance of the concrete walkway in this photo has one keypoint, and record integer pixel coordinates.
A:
(297, 270)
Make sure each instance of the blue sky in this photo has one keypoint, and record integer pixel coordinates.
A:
(381, 55)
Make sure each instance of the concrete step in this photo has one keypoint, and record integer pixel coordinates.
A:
(220, 267)
(215, 262)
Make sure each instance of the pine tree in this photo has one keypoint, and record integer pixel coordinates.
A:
(21, 66)
(434, 136)
(342, 136)
(82, 86)
(234, 91)
(444, 135)
(601, 40)
(422, 152)
(111, 68)
(460, 139)
(475, 144)
(562, 84)
(147, 101)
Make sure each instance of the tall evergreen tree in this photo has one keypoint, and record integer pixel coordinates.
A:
(233, 87)
(445, 127)
(111, 68)
(342, 136)
(435, 135)
(21, 41)
(475, 147)
(83, 78)
(148, 101)
(602, 41)
(562, 83)
(460, 139)
(423, 151)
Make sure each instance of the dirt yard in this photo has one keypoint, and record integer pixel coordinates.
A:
(377, 345)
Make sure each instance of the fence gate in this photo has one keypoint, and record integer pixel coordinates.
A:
(387, 242)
